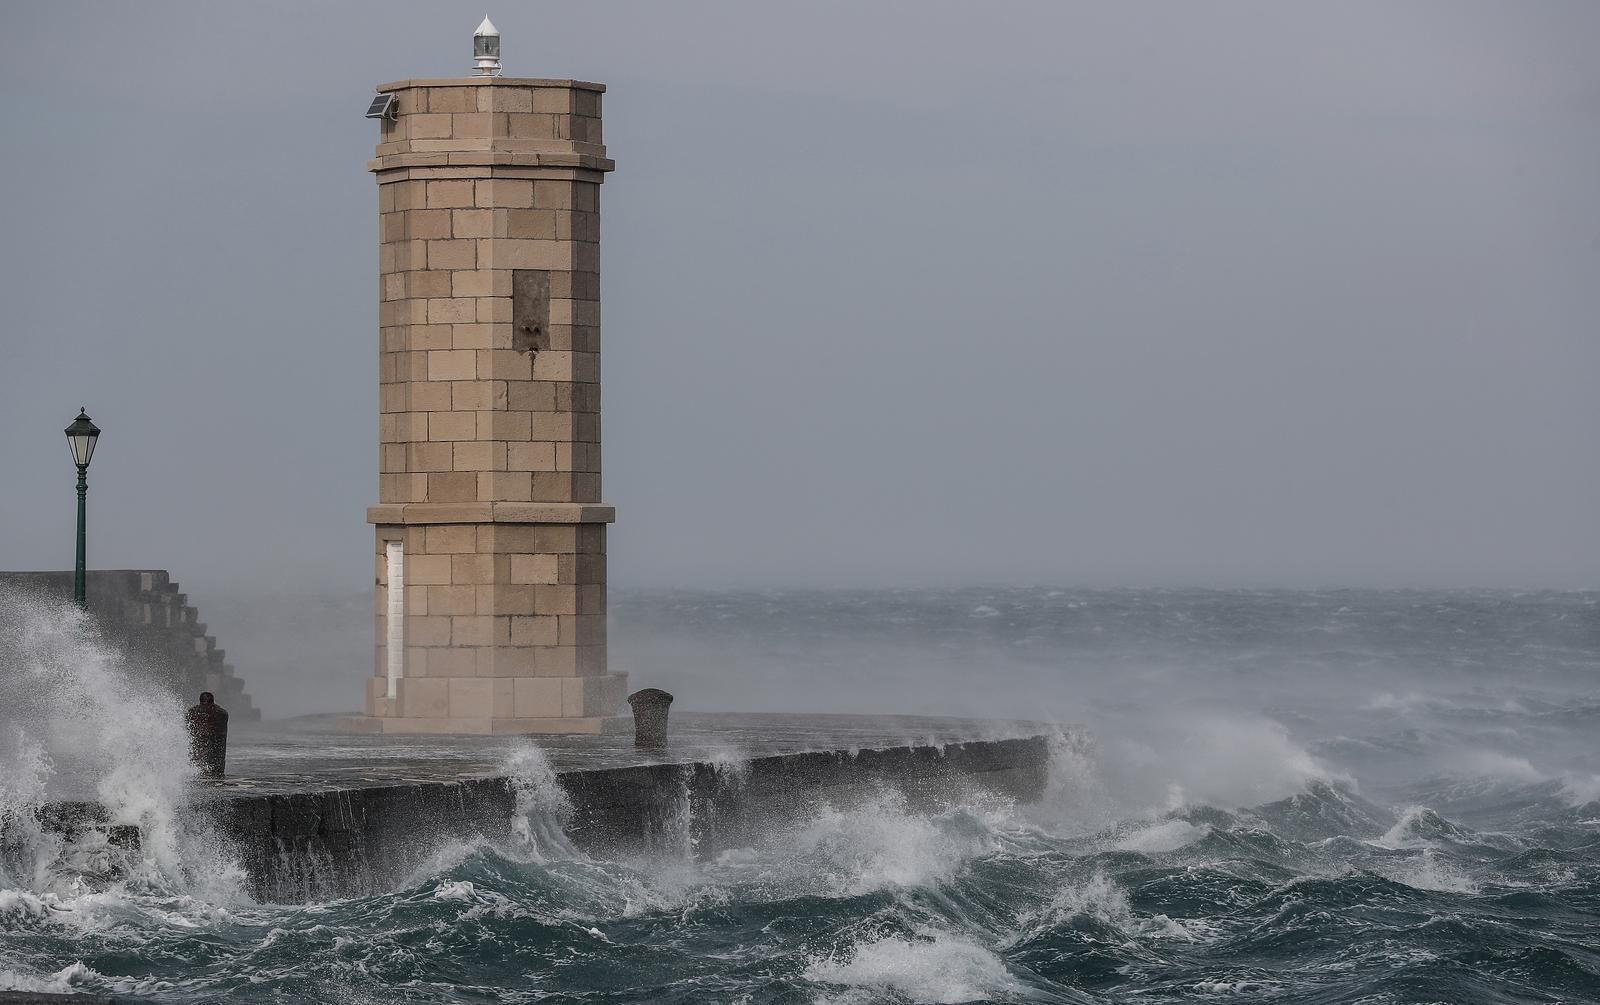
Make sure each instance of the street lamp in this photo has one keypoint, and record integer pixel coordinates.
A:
(81, 437)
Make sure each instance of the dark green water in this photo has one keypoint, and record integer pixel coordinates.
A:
(1291, 797)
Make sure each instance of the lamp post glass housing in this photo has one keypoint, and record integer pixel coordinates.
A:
(81, 438)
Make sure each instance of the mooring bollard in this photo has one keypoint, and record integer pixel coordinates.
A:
(650, 717)
(208, 735)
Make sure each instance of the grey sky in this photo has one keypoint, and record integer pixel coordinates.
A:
(915, 292)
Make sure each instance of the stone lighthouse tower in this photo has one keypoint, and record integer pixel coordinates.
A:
(491, 533)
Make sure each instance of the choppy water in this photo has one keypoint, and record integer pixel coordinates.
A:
(1292, 797)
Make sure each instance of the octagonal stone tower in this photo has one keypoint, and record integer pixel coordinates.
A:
(491, 534)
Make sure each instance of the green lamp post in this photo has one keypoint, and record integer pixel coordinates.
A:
(81, 437)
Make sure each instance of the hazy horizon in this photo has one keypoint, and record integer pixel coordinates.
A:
(923, 294)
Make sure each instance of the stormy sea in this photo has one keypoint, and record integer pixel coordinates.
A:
(1309, 797)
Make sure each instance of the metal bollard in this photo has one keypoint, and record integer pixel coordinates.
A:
(650, 717)
(208, 735)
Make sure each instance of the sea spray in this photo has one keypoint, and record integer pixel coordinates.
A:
(930, 966)
(541, 810)
(75, 721)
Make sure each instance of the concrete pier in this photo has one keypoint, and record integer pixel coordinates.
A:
(342, 821)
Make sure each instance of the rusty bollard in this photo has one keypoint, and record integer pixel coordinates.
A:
(650, 717)
(208, 735)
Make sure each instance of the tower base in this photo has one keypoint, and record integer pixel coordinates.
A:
(592, 725)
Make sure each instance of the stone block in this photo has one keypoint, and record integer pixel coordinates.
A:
(473, 223)
(479, 630)
(556, 599)
(472, 125)
(428, 630)
(450, 194)
(452, 426)
(428, 285)
(504, 99)
(424, 696)
(581, 630)
(453, 662)
(519, 254)
(475, 570)
(504, 364)
(531, 224)
(448, 600)
(555, 539)
(455, 99)
(553, 194)
(538, 630)
(554, 426)
(554, 486)
(581, 696)
(428, 570)
(416, 661)
(504, 425)
(504, 692)
(471, 696)
(428, 456)
(553, 365)
(452, 310)
(534, 569)
(456, 486)
(451, 539)
(504, 193)
(422, 338)
(505, 539)
(531, 396)
(481, 283)
(496, 310)
(505, 486)
(480, 455)
(536, 697)
(531, 456)
(428, 224)
(475, 336)
(505, 599)
(426, 125)
(477, 395)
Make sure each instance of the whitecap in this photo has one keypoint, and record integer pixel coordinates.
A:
(932, 967)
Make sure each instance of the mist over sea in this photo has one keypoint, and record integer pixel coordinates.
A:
(1281, 796)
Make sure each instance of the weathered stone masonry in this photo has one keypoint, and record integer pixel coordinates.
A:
(489, 428)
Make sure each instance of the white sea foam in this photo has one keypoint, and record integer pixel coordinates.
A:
(454, 890)
(71, 713)
(542, 808)
(879, 844)
(1100, 899)
(1430, 871)
(932, 967)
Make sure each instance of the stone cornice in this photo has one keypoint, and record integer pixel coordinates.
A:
(491, 512)
(576, 85)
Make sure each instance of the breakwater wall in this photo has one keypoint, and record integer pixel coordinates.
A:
(348, 841)
(145, 614)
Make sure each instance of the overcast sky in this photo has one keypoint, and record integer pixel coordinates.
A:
(894, 293)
